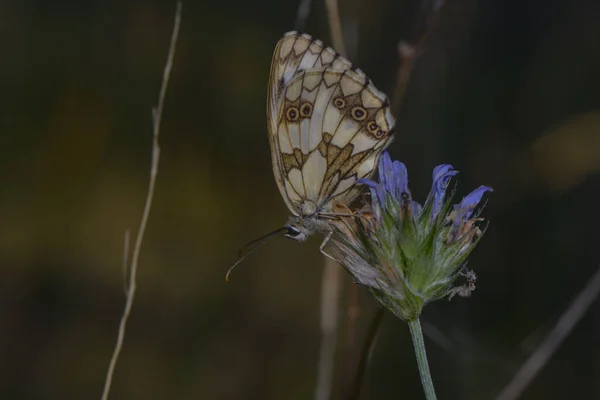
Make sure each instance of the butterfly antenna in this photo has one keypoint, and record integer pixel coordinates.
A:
(255, 244)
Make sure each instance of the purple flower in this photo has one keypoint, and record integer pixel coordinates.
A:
(408, 254)
(393, 179)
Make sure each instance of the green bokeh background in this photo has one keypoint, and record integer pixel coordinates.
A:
(506, 91)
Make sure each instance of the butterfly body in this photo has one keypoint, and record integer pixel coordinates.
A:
(328, 124)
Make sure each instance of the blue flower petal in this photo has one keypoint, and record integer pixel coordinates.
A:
(468, 204)
(464, 210)
(441, 177)
(369, 182)
(385, 169)
(441, 171)
(393, 180)
(399, 180)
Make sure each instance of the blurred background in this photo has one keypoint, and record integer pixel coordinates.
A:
(506, 91)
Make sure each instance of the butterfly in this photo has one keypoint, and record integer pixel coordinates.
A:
(328, 125)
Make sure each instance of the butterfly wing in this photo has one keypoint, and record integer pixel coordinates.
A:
(294, 52)
(328, 124)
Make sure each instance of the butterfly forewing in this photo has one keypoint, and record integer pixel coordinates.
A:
(328, 125)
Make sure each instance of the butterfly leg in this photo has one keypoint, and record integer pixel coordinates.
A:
(322, 247)
(336, 214)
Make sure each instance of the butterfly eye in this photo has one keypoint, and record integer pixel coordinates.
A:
(292, 232)
(373, 128)
(339, 102)
(306, 110)
(292, 114)
(359, 113)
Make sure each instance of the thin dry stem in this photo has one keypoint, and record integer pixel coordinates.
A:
(131, 287)
(367, 350)
(540, 357)
(335, 26)
(409, 53)
(125, 259)
(331, 284)
(352, 312)
(302, 15)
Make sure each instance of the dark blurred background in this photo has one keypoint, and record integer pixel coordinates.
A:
(506, 91)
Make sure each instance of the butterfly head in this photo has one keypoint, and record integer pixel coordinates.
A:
(296, 231)
(301, 227)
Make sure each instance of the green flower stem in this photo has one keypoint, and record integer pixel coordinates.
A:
(417, 338)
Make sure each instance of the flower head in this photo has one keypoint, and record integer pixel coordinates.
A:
(408, 254)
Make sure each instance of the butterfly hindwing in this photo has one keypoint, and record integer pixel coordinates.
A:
(328, 124)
